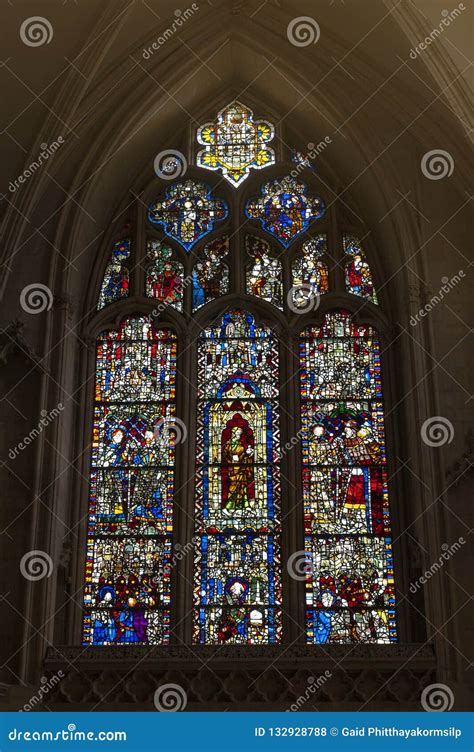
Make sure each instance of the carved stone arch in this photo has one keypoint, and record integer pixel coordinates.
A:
(111, 316)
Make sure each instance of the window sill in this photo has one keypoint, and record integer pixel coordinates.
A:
(337, 677)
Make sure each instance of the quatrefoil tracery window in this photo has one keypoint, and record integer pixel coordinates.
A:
(290, 263)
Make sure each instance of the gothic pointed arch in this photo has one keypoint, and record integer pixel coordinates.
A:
(239, 294)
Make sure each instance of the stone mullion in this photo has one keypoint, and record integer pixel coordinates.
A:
(292, 539)
(184, 495)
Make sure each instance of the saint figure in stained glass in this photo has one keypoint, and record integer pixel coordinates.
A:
(211, 275)
(238, 587)
(235, 143)
(115, 283)
(310, 272)
(188, 212)
(237, 464)
(265, 275)
(164, 275)
(284, 209)
(357, 271)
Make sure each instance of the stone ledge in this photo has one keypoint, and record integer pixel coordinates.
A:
(236, 678)
(222, 655)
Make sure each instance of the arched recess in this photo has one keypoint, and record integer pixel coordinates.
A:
(127, 594)
(101, 332)
(270, 319)
(350, 590)
(139, 208)
(238, 592)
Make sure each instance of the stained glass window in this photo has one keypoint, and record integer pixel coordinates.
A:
(236, 384)
(309, 272)
(127, 593)
(284, 209)
(115, 282)
(188, 212)
(265, 274)
(357, 270)
(211, 275)
(238, 587)
(350, 591)
(235, 143)
(164, 275)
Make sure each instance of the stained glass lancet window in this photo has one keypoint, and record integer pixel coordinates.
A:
(127, 592)
(164, 275)
(310, 272)
(284, 209)
(235, 143)
(357, 271)
(265, 274)
(188, 212)
(211, 275)
(350, 591)
(238, 586)
(115, 283)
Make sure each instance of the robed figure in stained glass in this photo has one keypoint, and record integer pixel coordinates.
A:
(238, 487)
